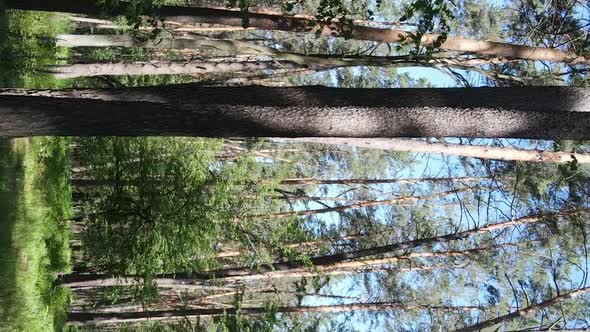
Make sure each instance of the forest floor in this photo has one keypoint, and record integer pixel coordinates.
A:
(35, 199)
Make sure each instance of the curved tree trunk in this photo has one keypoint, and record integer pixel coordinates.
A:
(472, 151)
(190, 15)
(186, 110)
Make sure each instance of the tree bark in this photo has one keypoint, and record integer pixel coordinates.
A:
(82, 318)
(110, 25)
(236, 47)
(524, 311)
(165, 68)
(186, 110)
(190, 15)
(472, 151)
(231, 47)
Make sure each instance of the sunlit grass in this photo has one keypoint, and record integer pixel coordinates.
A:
(27, 45)
(34, 242)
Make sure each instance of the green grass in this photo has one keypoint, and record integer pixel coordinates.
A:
(27, 46)
(34, 241)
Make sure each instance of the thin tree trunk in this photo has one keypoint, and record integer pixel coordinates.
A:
(258, 153)
(86, 281)
(524, 311)
(164, 68)
(313, 181)
(82, 281)
(300, 246)
(360, 205)
(354, 266)
(186, 110)
(78, 182)
(306, 244)
(294, 198)
(472, 151)
(287, 195)
(189, 15)
(82, 318)
(325, 262)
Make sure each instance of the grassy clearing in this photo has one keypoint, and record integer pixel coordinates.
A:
(34, 242)
(27, 46)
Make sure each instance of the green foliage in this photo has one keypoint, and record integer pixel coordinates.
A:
(27, 46)
(138, 12)
(161, 212)
(165, 204)
(432, 15)
(478, 19)
(244, 6)
(270, 321)
(556, 26)
(330, 10)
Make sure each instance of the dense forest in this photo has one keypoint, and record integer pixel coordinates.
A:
(291, 165)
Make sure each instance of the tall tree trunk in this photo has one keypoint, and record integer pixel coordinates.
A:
(83, 281)
(360, 205)
(325, 262)
(235, 47)
(86, 281)
(82, 318)
(231, 47)
(171, 26)
(189, 15)
(524, 311)
(165, 68)
(294, 181)
(356, 266)
(472, 151)
(86, 182)
(276, 10)
(532, 112)
(313, 181)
